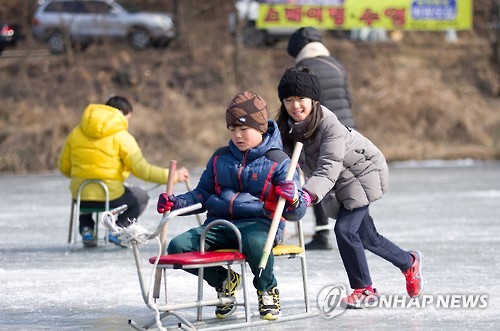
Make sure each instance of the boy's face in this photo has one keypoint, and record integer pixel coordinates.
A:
(245, 137)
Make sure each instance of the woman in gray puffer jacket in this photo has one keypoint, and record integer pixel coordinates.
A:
(346, 172)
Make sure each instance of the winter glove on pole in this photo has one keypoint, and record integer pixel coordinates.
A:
(275, 222)
(288, 191)
(169, 202)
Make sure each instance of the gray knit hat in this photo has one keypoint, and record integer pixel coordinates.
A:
(249, 109)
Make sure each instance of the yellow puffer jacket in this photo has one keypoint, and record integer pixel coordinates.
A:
(102, 148)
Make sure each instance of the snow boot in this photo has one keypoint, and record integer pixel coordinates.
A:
(321, 241)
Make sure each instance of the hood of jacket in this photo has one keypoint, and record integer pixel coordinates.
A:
(99, 121)
(312, 49)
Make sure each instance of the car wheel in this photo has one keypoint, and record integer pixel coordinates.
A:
(162, 43)
(139, 39)
(56, 42)
(254, 37)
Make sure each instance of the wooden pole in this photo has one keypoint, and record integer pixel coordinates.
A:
(163, 236)
(279, 210)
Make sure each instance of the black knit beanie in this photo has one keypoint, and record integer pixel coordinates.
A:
(299, 82)
(302, 37)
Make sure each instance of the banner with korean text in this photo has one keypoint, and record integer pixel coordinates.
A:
(418, 15)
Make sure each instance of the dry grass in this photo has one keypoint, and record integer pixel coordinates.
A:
(418, 99)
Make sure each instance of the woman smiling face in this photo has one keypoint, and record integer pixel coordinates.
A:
(298, 107)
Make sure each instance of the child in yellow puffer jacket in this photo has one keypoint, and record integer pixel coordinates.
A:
(101, 147)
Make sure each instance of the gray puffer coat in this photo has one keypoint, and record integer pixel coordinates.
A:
(342, 166)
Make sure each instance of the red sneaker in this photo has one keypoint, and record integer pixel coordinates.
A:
(360, 298)
(414, 280)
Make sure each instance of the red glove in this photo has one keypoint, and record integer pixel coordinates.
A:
(165, 204)
(287, 190)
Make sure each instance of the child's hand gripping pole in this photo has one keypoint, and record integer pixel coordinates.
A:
(279, 210)
(163, 236)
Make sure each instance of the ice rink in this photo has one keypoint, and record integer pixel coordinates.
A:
(450, 211)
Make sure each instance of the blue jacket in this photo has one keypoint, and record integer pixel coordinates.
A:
(235, 184)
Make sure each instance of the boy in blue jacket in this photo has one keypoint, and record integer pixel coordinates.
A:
(242, 183)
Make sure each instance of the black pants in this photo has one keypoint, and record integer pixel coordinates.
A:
(134, 197)
(355, 232)
(320, 215)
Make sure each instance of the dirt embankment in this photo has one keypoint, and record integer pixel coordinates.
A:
(420, 98)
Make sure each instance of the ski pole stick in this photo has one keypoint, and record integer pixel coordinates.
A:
(163, 235)
(198, 217)
(279, 210)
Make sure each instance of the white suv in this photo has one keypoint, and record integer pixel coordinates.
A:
(83, 22)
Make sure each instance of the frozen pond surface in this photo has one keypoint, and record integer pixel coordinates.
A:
(448, 210)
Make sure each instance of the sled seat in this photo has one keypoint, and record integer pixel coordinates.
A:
(290, 250)
(198, 259)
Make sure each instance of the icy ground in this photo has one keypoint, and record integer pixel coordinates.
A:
(448, 210)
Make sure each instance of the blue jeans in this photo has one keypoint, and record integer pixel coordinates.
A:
(355, 232)
(253, 236)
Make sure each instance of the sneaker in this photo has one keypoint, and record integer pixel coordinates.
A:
(115, 240)
(269, 304)
(228, 290)
(321, 241)
(414, 280)
(360, 298)
(88, 238)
